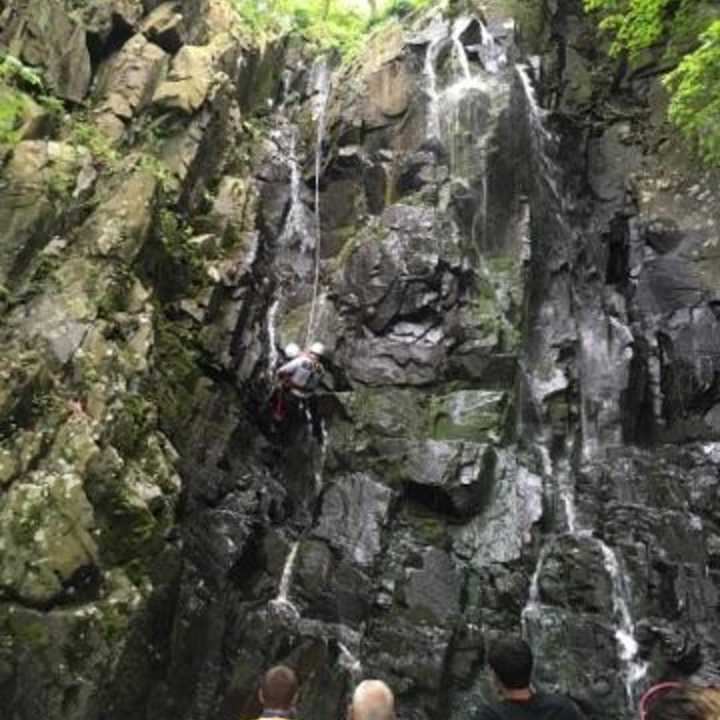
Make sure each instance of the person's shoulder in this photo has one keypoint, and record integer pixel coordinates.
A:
(564, 705)
(489, 711)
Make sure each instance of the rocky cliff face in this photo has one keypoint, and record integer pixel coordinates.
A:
(519, 426)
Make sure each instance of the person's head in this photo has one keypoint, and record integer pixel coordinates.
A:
(680, 701)
(317, 350)
(511, 662)
(279, 688)
(292, 351)
(372, 700)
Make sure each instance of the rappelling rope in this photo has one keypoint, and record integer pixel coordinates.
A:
(316, 280)
(325, 91)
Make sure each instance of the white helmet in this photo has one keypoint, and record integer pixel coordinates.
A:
(292, 350)
(317, 348)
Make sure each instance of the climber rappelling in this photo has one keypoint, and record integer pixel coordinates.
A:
(297, 379)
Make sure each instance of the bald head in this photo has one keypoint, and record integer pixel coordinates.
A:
(279, 688)
(373, 700)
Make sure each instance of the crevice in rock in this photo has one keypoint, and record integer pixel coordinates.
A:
(639, 423)
(249, 566)
(617, 269)
(83, 587)
(432, 498)
(101, 48)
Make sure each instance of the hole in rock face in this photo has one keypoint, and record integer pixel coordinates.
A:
(101, 46)
(616, 270)
(432, 498)
(714, 306)
(639, 424)
(84, 584)
(248, 567)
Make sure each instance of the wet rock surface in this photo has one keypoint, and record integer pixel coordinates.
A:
(519, 417)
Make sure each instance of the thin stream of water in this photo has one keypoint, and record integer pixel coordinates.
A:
(634, 669)
(431, 56)
(281, 603)
(459, 49)
(272, 335)
(296, 222)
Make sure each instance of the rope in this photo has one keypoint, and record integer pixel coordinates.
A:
(316, 280)
(325, 91)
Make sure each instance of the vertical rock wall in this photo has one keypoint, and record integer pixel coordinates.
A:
(518, 424)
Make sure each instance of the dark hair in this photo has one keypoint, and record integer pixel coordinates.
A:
(685, 702)
(512, 661)
(279, 687)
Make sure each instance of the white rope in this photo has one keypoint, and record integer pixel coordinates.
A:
(316, 280)
(322, 102)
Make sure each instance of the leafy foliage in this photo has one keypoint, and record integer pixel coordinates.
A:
(689, 31)
(326, 24)
(695, 85)
(82, 132)
(12, 105)
(399, 9)
(21, 88)
(14, 78)
(14, 72)
(322, 22)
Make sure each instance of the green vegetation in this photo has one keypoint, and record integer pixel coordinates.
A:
(14, 72)
(695, 85)
(22, 94)
(328, 24)
(83, 133)
(15, 79)
(12, 106)
(689, 32)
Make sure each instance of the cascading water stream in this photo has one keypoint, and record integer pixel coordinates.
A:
(625, 631)
(533, 605)
(429, 70)
(492, 55)
(296, 222)
(535, 112)
(634, 670)
(459, 49)
(282, 603)
(320, 460)
(349, 662)
(541, 141)
(272, 335)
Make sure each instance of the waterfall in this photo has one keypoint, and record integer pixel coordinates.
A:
(535, 112)
(541, 139)
(296, 223)
(459, 48)
(286, 79)
(272, 335)
(320, 461)
(349, 662)
(429, 70)
(460, 95)
(281, 603)
(532, 607)
(492, 56)
(625, 631)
